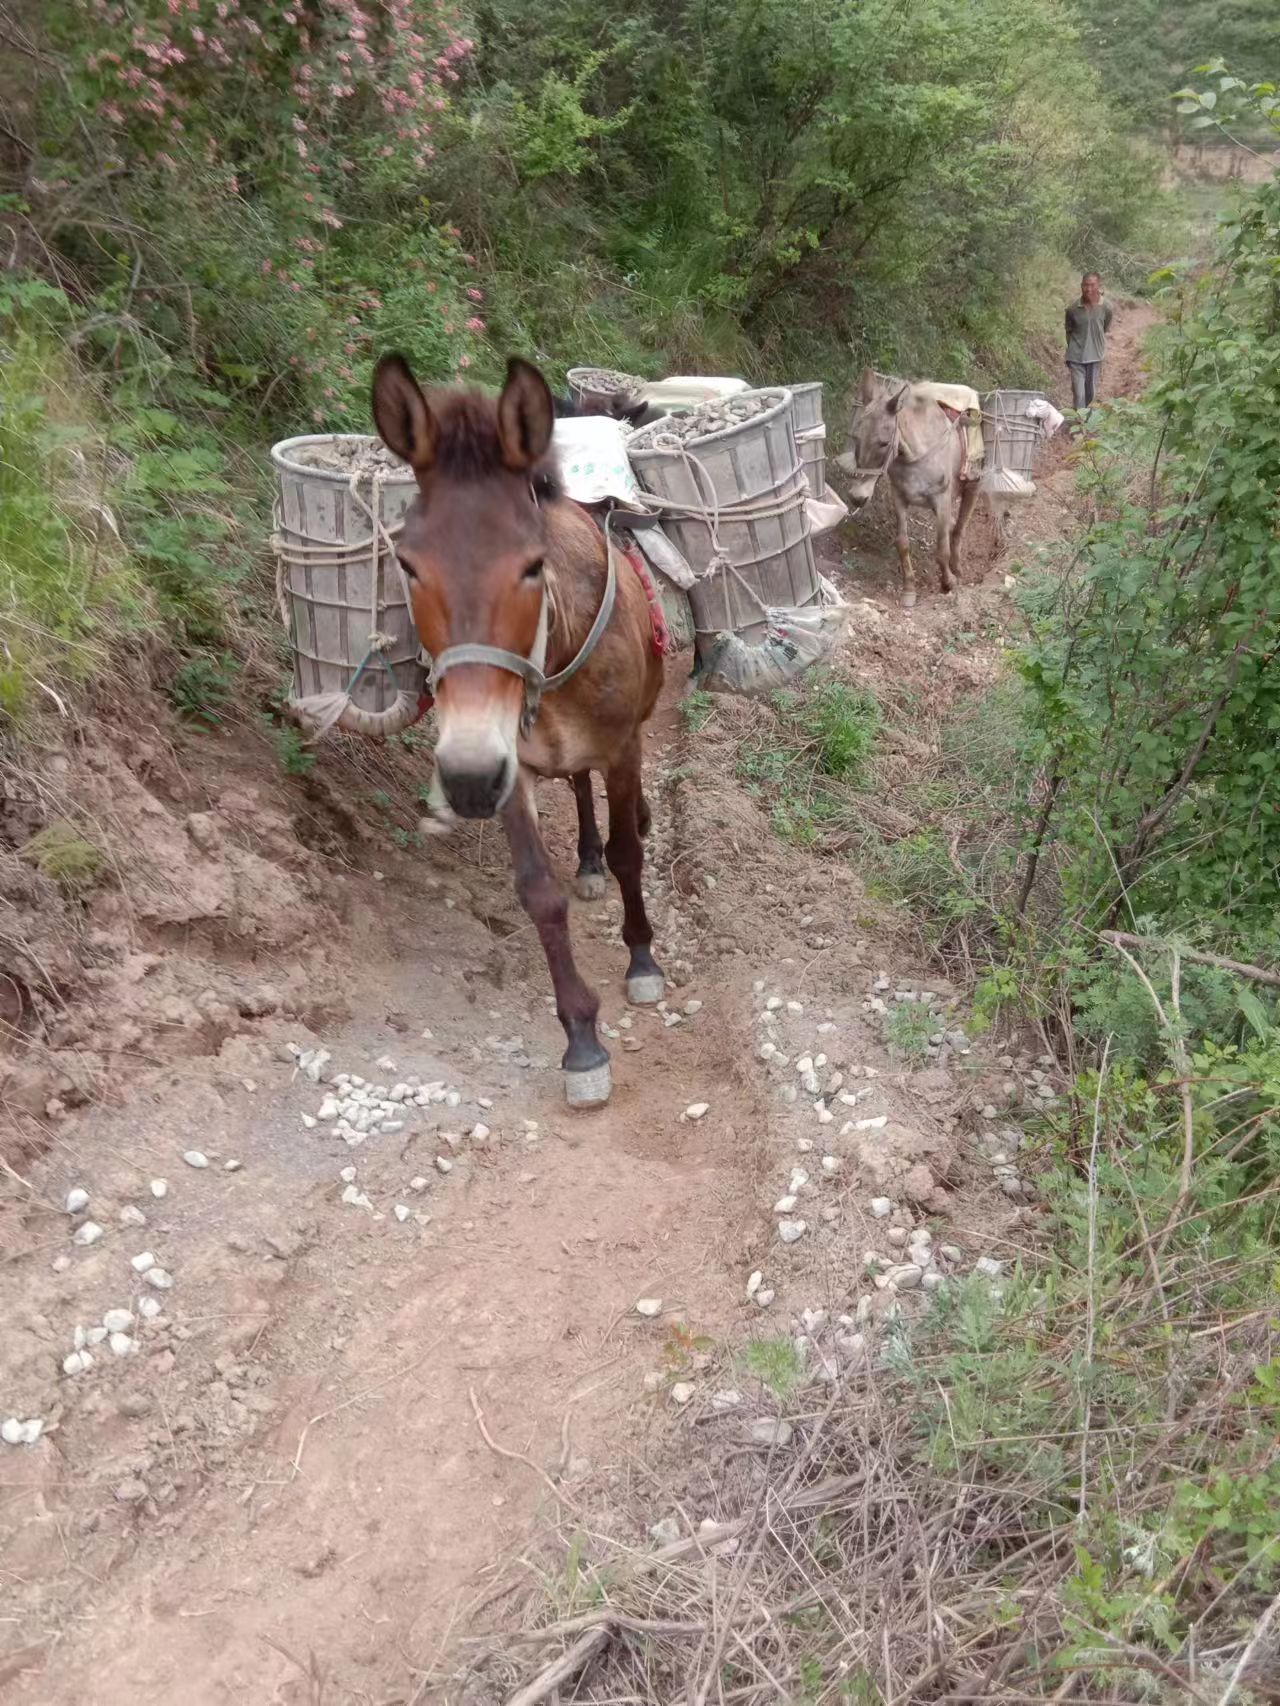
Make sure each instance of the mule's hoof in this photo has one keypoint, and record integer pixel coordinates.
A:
(909, 600)
(589, 1089)
(646, 991)
(590, 885)
(436, 825)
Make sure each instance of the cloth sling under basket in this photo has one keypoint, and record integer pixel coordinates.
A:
(963, 405)
(350, 617)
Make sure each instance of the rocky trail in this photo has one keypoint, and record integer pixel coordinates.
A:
(327, 1307)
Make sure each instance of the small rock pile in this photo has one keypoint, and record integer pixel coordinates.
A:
(718, 415)
(362, 456)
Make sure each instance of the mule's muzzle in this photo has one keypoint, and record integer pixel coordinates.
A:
(478, 790)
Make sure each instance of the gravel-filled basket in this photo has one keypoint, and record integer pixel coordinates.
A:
(342, 594)
(730, 483)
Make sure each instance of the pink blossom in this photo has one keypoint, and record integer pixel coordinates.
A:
(474, 325)
(464, 361)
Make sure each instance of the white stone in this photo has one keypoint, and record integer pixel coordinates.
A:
(790, 1230)
(149, 1307)
(88, 1232)
(666, 1532)
(754, 1282)
(905, 1276)
(118, 1320)
(765, 1296)
(805, 1145)
(933, 1280)
(418, 1183)
(161, 1278)
(77, 1200)
(195, 1158)
(121, 1344)
(831, 1164)
(348, 1175)
(952, 1252)
(402, 1212)
(142, 1262)
(309, 1121)
(385, 1063)
(328, 1109)
(696, 1110)
(798, 1180)
(159, 1187)
(79, 1362)
(881, 1207)
(443, 1164)
(876, 1123)
(682, 1391)
(355, 1196)
(692, 1007)
(649, 1307)
(768, 1432)
(989, 1267)
(132, 1216)
(785, 1205)
(11, 1431)
(480, 1132)
(773, 1004)
(897, 1235)
(813, 1321)
(95, 1335)
(232, 1166)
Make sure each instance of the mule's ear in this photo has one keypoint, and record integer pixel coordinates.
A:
(405, 424)
(868, 385)
(898, 399)
(526, 416)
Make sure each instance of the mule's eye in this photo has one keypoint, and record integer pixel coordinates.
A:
(408, 568)
(533, 571)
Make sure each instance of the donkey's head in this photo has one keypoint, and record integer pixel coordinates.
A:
(472, 547)
(873, 435)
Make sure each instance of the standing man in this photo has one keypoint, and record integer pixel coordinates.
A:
(1088, 322)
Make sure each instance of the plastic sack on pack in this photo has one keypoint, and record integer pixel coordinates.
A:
(592, 453)
(1008, 483)
(794, 641)
(826, 512)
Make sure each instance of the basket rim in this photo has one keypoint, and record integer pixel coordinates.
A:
(334, 476)
(722, 435)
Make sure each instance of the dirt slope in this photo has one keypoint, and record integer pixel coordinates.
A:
(284, 1472)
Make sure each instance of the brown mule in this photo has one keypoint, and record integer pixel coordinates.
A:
(514, 594)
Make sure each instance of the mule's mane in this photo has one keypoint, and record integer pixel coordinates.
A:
(468, 447)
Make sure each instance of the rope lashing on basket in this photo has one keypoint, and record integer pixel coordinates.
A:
(707, 508)
(320, 712)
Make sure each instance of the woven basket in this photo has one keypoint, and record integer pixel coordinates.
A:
(752, 462)
(811, 433)
(1010, 435)
(342, 594)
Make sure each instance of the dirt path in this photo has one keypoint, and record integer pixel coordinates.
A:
(285, 1470)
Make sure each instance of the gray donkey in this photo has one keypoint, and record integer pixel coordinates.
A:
(922, 448)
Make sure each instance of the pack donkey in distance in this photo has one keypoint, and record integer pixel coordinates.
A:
(895, 431)
(544, 661)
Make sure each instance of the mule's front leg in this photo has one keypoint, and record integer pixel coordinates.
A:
(590, 878)
(625, 852)
(586, 1061)
(903, 543)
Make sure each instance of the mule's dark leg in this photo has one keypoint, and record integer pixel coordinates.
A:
(590, 880)
(903, 542)
(625, 853)
(968, 497)
(644, 817)
(586, 1061)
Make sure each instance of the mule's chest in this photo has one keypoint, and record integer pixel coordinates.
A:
(560, 745)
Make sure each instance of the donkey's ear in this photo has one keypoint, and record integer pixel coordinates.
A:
(868, 385)
(405, 424)
(526, 416)
(898, 399)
